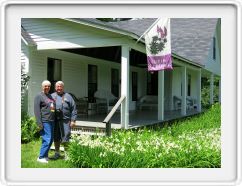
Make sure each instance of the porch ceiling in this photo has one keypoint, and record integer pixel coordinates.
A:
(112, 54)
(107, 53)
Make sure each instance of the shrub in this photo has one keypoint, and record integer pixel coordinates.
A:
(24, 87)
(29, 128)
(206, 92)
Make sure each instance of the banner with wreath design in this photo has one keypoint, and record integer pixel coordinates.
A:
(158, 46)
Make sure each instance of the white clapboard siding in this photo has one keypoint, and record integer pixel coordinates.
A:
(38, 73)
(211, 64)
(58, 33)
(194, 89)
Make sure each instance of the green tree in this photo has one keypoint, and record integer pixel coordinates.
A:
(24, 80)
(206, 91)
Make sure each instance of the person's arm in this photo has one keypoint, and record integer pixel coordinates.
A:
(73, 112)
(37, 111)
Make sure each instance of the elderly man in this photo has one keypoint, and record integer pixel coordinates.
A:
(44, 110)
(66, 114)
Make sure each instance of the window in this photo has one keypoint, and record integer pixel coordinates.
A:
(53, 72)
(214, 48)
(189, 81)
(152, 83)
(115, 82)
(134, 86)
(92, 82)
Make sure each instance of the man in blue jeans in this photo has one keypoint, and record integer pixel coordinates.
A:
(44, 110)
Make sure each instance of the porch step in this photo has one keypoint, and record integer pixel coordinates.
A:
(86, 130)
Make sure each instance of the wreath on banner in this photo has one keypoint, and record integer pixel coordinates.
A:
(158, 41)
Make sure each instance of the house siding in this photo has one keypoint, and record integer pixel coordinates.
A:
(214, 65)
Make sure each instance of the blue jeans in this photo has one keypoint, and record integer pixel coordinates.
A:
(47, 139)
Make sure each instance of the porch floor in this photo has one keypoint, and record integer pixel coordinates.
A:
(136, 118)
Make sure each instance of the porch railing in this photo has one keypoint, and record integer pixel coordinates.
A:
(110, 115)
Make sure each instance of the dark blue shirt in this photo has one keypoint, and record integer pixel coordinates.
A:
(42, 110)
(65, 103)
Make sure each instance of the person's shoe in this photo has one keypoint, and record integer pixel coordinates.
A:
(42, 160)
(56, 156)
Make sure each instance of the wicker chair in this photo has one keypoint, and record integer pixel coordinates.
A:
(105, 101)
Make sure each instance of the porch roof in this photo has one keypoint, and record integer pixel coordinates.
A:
(26, 37)
(191, 38)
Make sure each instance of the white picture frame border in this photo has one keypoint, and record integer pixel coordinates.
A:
(4, 83)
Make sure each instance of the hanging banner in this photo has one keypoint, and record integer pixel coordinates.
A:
(158, 46)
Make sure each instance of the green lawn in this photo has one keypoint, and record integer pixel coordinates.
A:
(29, 155)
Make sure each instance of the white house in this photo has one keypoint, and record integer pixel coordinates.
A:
(90, 55)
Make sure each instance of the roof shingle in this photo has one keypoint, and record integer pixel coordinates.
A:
(190, 37)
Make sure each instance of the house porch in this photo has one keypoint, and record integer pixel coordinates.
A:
(137, 118)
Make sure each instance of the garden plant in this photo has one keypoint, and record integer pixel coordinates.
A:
(193, 142)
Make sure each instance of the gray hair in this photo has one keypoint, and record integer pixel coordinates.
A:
(59, 83)
(45, 82)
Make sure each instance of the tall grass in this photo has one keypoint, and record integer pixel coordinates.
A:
(193, 142)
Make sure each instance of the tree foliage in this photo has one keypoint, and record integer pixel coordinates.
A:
(24, 80)
(206, 91)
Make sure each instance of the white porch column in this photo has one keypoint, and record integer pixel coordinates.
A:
(211, 88)
(184, 91)
(125, 87)
(199, 91)
(161, 95)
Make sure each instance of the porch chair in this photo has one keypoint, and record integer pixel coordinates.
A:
(191, 102)
(177, 102)
(148, 101)
(82, 107)
(105, 101)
